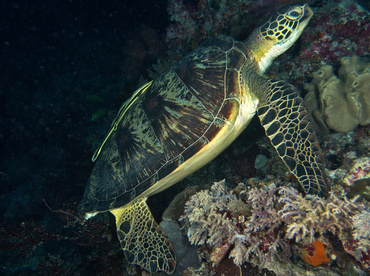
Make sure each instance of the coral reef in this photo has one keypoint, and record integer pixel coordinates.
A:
(360, 170)
(269, 223)
(336, 216)
(314, 215)
(361, 225)
(214, 218)
(340, 103)
(203, 220)
(341, 29)
(192, 23)
(348, 163)
(260, 235)
(358, 244)
(183, 27)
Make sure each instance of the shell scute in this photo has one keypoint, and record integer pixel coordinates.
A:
(203, 74)
(232, 84)
(236, 58)
(170, 166)
(180, 119)
(243, 48)
(141, 143)
(214, 129)
(228, 110)
(194, 148)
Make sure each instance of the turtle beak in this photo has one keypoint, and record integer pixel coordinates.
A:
(308, 13)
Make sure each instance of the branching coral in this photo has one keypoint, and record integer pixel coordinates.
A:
(312, 214)
(264, 214)
(263, 228)
(261, 236)
(203, 220)
(340, 103)
(209, 220)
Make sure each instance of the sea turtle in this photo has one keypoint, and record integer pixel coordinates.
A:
(176, 124)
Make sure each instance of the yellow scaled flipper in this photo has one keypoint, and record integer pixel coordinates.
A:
(287, 124)
(142, 240)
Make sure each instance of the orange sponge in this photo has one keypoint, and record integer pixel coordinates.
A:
(319, 257)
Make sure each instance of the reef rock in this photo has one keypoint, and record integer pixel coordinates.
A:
(340, 103)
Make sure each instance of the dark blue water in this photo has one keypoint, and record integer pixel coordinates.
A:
(61, 61)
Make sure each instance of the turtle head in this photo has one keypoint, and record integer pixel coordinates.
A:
(278, 34)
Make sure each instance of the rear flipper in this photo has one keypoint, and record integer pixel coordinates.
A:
(142, 240)
(287, 124)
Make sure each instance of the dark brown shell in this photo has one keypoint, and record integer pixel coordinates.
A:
(180, 113)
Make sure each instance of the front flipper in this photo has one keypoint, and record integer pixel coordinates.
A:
(142, 240)
(287, 124)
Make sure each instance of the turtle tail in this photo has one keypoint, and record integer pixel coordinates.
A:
(288, 126)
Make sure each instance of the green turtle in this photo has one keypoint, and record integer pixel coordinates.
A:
(176, 124)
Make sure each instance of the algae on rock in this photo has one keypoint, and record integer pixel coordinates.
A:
(340, 103)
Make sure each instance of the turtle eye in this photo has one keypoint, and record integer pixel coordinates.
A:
(294, 13)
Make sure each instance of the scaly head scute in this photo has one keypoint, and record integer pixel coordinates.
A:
(278, 34)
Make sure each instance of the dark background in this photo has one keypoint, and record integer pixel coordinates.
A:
(60, 61)
(53, 54)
